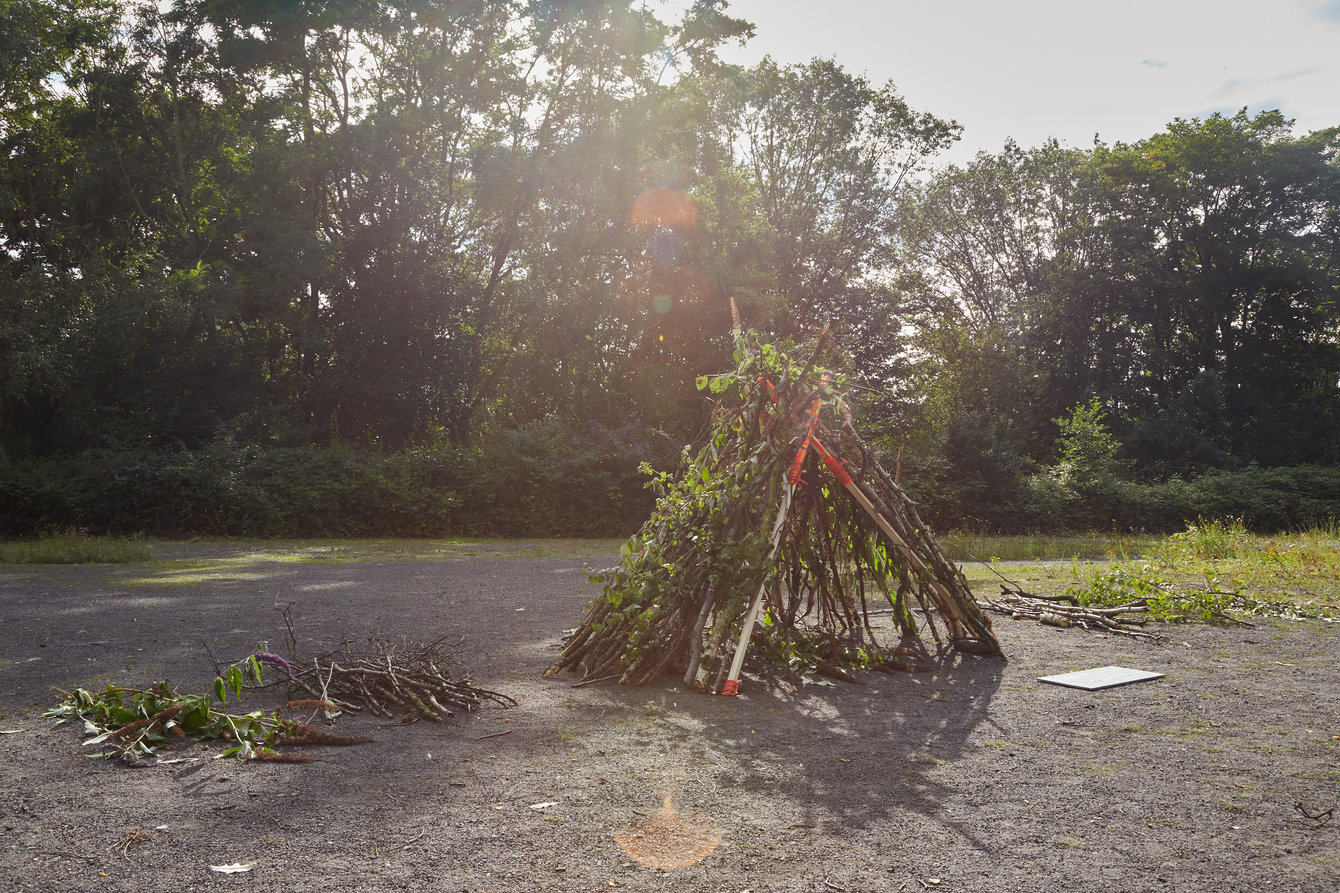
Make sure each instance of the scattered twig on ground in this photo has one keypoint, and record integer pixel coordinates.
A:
(593, 680)
(133, 836)
(286, 612)
(1318, 819)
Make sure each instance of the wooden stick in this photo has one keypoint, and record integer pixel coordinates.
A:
(594, 679)
(953, 612)
(732, 684)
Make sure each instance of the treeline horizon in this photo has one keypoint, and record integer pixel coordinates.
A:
(441, 249)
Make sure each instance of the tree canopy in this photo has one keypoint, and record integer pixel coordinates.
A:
(1188, 282)
(398, 223)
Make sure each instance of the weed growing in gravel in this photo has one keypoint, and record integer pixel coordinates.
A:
(1145, 583)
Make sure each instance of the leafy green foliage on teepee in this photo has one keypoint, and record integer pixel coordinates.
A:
(782, 456)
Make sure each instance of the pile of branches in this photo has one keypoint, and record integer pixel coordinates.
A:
(407, 680)
(1053, 611)
(782, 498)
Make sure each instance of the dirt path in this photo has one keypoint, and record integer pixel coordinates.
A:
(974, 777)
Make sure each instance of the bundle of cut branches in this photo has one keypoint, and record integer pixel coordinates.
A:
(783, 515)
(408, 680)
(1120, 619)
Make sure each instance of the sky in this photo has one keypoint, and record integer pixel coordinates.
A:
(1036, 69)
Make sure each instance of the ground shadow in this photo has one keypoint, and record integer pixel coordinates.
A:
(842, 755)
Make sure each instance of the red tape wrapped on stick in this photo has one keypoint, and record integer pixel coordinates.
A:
(834, 465)
(793, 476)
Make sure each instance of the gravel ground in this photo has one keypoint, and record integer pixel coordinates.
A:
(972, 777)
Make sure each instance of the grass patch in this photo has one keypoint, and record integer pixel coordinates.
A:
(403, 549)
(961, 546)
(1212, 571)
(76, 548)
(223, 560)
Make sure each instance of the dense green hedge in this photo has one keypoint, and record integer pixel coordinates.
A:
(1266, 499)
(560, 480)
(543, 480)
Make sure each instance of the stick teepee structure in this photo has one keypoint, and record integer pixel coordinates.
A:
(783, 516)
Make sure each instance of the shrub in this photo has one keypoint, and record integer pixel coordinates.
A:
(542, 480)
(557, 479)
(1263, 500)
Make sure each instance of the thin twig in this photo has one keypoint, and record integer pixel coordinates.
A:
(596, 679)
(218, 667)
(1319, 819)
(286, 613)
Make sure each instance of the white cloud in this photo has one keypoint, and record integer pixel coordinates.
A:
(1033, 69)
(1324, 10)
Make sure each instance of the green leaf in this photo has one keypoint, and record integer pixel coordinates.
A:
(235, 680)
(220, 692)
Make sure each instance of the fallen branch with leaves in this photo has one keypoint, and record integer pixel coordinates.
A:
(411, 680)
(136, 725)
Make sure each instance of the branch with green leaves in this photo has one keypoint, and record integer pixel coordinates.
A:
(137, 725)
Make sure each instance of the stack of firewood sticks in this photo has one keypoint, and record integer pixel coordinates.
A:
(408, 681)
(1053, 612)
(897, 520)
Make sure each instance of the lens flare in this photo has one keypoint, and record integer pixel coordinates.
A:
(669, 840)
(670, 208)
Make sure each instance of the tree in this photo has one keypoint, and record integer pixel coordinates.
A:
(995, 280)
(1233, 225)
(1186, 281)
(826, 154)
(372, 220)
(108, 226)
